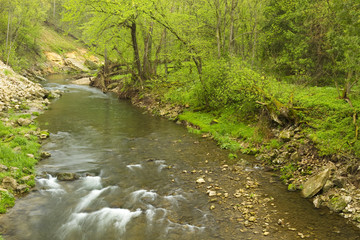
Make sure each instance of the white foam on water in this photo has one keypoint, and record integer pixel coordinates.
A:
(132, 167)
(183, 227)
(143, 195)
(161, 164)
(50, 183)
(99, 222)
(174, 199)
(85, 201)
(91, 182)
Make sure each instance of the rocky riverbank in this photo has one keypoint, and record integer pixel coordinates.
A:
(327, 181)
(21, 101)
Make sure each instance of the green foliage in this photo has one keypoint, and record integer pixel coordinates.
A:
(7, 200)
(287, 171)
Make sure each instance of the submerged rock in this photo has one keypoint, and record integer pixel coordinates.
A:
(67, 176)
(314, 184)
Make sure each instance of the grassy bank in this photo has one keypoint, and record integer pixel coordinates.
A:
(239, 118)
(19, 152)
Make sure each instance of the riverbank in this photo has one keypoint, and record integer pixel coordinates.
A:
(21, 101)
(309, 156)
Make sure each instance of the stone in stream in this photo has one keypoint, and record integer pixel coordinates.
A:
(45, 155)
(67, 176)
(314, 184)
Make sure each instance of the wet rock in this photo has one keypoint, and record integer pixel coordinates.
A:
(339, 203)
(211, 193)
(317, 202)
(24, 121)
(45, 155)
(200, 180)
(9, 183)
(67, 176)
(22, 188)
(314, 184)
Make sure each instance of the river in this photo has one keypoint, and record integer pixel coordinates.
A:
(135, 182)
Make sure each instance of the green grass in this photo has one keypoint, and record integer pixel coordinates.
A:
(52, 41)
(17, 144)
(227, 132)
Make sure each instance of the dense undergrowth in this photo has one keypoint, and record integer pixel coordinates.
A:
(231, 108)
(19, 151)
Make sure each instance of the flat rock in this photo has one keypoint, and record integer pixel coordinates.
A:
(314, 184)
(82, 81)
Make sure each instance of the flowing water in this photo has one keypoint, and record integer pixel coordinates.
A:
(130, 184)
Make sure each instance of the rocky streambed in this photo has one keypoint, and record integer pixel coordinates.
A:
(326, 181)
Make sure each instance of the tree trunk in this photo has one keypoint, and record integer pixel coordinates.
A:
(232, 23)
(136, 51)
(218, 27)
(7, 34)
(147, 53)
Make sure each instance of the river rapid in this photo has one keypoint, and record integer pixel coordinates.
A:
(137, 181)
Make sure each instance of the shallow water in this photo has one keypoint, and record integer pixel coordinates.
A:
(130, 184)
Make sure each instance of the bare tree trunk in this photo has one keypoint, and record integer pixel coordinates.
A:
(7, 34)
(147, 52)
(54, 9)
(218, 26)
(136, 50)
(158, 50)
(232, 26)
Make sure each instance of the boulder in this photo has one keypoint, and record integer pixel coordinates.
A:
(24, 121)
(339, 203)
(22, 188)
(67, 176)
(9, 183)
(82, 81)
(314, 184)
(76, 64)
(45, 155)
